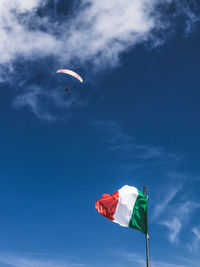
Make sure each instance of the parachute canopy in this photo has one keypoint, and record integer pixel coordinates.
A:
(70, 72)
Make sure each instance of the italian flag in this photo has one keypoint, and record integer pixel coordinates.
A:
(127, 207)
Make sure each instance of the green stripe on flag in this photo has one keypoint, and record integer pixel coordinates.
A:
(139, 217)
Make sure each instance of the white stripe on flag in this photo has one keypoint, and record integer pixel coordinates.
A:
(124, 210)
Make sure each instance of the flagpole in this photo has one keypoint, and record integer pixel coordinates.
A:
(146, 236)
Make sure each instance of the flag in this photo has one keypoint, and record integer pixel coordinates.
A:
(127, 207)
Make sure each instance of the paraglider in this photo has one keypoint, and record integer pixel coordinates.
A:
(70, 72)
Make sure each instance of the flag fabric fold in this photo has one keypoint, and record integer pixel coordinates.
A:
(127, 207)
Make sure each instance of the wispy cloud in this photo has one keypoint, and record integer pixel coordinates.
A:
(130, 149)
(23, 261)
(190, 13)
(196, 231)
(140, 261)
(194, 244)
(32, 99)
(46, 104)
(178, 217)
(190, 262)
(174, 225)
(166, 199)
(174, 209)
(115, 135)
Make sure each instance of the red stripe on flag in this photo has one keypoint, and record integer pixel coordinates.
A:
(107, 205)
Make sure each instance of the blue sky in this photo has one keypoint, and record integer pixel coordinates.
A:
(133, 121)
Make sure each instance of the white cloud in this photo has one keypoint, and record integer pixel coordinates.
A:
(20, 31)
(104, 29)
(98, 31)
